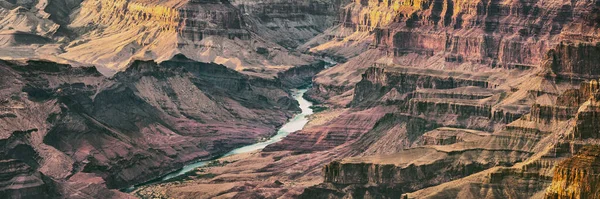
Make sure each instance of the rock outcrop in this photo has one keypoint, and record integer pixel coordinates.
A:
(289, 23)
(431, 99)
(577, 177)
(112, 34)
(470, 37)
(115, 132)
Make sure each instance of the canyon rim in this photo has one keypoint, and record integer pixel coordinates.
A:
(307, 99)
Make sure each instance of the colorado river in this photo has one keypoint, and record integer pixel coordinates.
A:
(293, 125)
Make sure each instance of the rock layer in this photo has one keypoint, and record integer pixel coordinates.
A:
(115, 132)
(577, 177)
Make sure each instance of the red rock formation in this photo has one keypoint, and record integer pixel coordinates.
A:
(342, 130)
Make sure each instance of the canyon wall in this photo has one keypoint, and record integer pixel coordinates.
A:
(433, 99)
(466, 36)
(115, 132)
(576, 177)
(112, 34)
(500, 73)
(289, 23)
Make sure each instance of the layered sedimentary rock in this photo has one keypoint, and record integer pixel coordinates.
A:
(111, 133)
(468, 98)
(289, 23)
(466, 36)
(114, 33)
(576, 59)
(404, 170)
(346, 128)
(210, 31)
(577, 177)
(518, 110)
(439, 98)
(21, 180)
(426, 56)
(551, 130)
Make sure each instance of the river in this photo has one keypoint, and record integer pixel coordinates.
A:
(293, 125)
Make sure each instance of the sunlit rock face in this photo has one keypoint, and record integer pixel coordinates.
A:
(431, 99)
(522, 31)
(500, 74)
(19, 26)
(210, 31)
(577, 177)
(466, 36)
(114, 33)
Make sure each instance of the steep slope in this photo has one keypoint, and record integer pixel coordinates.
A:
(247, 36)
(559, 153)
(472, 37)
(209, 31)
(458, 99)
(577, 177)
(74, 131)
(434, 98)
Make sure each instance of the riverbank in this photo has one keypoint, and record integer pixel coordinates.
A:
(294, 124)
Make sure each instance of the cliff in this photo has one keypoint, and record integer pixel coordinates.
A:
(577, 177)
(470, 37)
(289, 23)
(112, 34)
(114, 132)
(576, 59)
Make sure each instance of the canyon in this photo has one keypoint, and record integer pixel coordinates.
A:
(411, 99)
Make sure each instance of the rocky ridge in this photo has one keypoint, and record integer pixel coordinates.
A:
(71, 132)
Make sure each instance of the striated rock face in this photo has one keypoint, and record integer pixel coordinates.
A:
(127, 13)
(555, 127)
(420, 92)
(111, 133)
(576, 59)
(467, 36)
(393, 175)
(22, 181)
(516, 21)
(494, 69)
(344, 129)
(586, 127)
(165, 28)
(289, 23)
(577, 177)
(112, 34)
(434, 98)
(20, 175)
(377, 81)
(459, 116)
